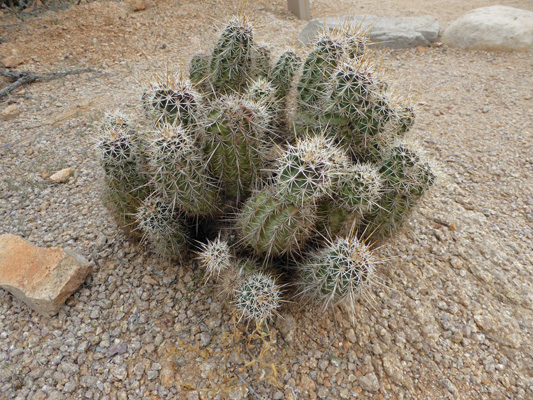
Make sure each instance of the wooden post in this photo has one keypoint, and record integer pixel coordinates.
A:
(300, 8)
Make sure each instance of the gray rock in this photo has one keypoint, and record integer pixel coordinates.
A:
(396, 33)
(369, 382)
(495, 28)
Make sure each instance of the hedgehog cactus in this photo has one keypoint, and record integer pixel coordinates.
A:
(290, 162)
(161, 227)
(236, 143)
(338, 272)
(179, 173)
(231, 62)
(122, 161)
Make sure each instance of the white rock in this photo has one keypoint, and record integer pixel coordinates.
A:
(496, 28)
(61, 176)
(138, 5)
(390, 32)
(369, 382)
(10, 112)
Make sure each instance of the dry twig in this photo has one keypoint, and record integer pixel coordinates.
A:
(22, 78)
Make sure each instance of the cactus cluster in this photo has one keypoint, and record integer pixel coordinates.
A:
(284, 170)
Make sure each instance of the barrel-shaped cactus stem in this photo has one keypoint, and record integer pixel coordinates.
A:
(215, 258)
(308, 170)
(359, 188)
(273, 226)
(257, 297)
(162, 228)
(405, 169)
(237, 143)
(339, 272)
(172, 98)
(232, 58)
(179, 171)
(125, 180)
(261, 60)
(199, 73)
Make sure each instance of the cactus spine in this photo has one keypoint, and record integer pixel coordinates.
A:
(162, 228)
(338, 272)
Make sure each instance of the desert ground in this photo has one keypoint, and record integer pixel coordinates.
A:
(452, 317)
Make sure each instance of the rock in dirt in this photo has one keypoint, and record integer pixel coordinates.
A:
(10, 112)
(43, 278)
(61, 176)
(369, 382)
(496, 28)
(390, 32)
(138, 5)
(11, 61)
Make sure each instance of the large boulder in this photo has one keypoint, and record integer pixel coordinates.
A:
(396, 33)
(496, 28)
(43, 278)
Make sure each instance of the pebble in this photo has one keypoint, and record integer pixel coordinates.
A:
(369, 382)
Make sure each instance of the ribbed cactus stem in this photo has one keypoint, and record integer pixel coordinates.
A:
(308, 170)
(162, 228)
(273, 226)
(125, 182)
(236, 143)
(179, 171)
(257, 297)
(231, 61)
(317, 70)
(199, 72)
(339, 272)
(283, 71)
(215, 258)
(405, 170)
(173, 99)
(359, 188)
(261, 61)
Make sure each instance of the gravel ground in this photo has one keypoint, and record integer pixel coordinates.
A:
(453, 317)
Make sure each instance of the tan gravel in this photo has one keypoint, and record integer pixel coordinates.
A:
(453, 317)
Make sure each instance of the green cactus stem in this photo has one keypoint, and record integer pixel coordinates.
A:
(162, 228)
(179, 172)
(274, 227)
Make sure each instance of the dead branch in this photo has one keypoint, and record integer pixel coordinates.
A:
(22, 78)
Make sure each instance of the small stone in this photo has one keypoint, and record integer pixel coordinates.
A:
(383, 31)
(308, 384)
(446, 383)
(139, 369)
(70, 386)
(369, 382)
(10, 112)
(12, 61)
(167, 376)
(43, 278)
(151, 375)
(62, 175)
(120, 348)
(121, 373)
(393, 368)
(193, 395)
(138, 5)
(351, 335)
(239, 393)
